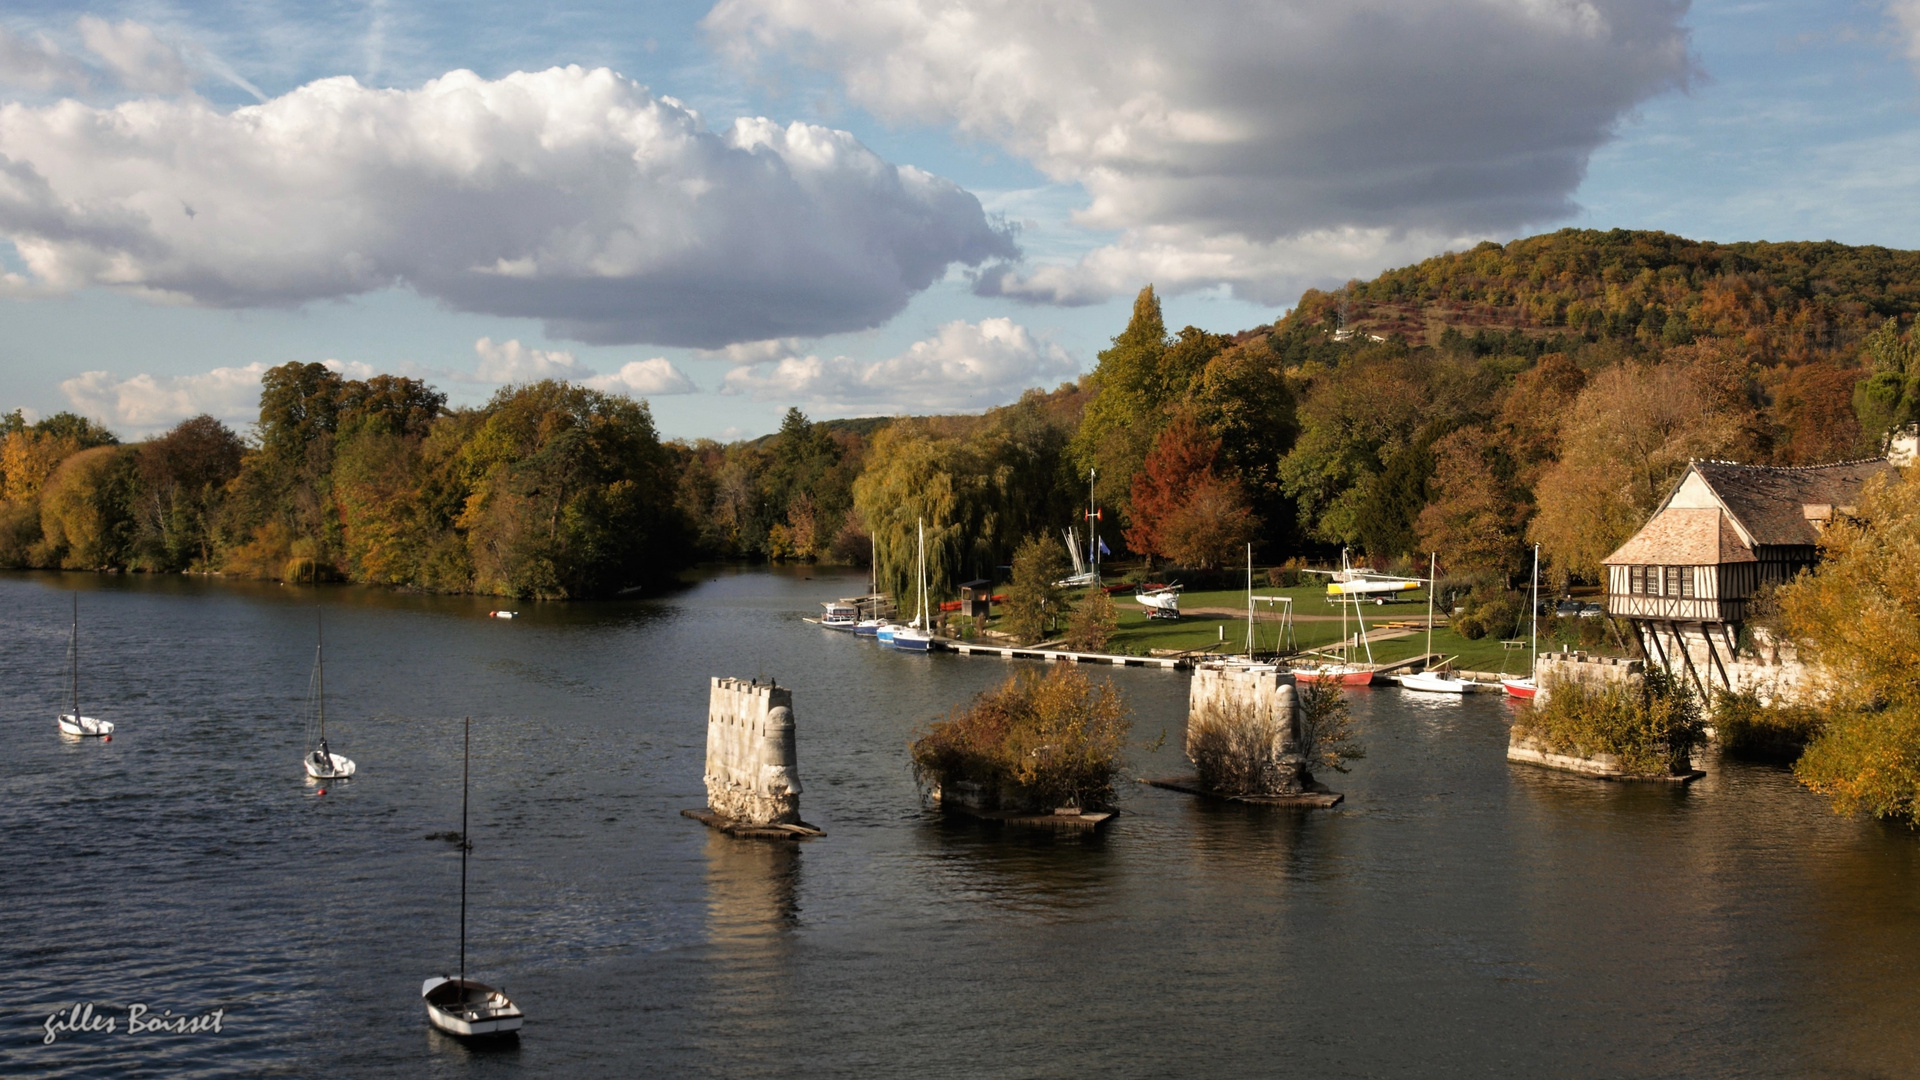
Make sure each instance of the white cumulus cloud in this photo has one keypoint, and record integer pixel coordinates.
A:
(1290, 131)
(512, 362)
(143, 404)
(646, 378)
(567, 195)
(964, 366)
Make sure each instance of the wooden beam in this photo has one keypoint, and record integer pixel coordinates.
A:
(1686, 655)
(1714, 655)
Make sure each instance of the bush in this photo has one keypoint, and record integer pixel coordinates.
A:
(1326, 736)
(1774, 732)
(1093, 622)
(1651, 727)
(1237, 750)
(1038, 740)
(1489, 610)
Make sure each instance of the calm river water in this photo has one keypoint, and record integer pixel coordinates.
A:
(1456, 916)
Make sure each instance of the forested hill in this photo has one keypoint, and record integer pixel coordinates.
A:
(1787, 301)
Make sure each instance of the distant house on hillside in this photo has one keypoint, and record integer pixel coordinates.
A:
(1685, 579)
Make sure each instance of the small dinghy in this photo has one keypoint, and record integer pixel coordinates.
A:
(321, 762)
(461, 1006)
(72, 723)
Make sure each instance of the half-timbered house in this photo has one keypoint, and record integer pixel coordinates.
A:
(1686, 578)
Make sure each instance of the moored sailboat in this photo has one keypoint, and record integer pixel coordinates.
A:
(1526, 688)
(917, 635)
(461, 1006)
(321, 762)
(72, 723)
(1428, 680)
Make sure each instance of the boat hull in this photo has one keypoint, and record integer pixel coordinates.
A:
(335, 768)
(867, 629)
(85, 727)
(911, 642)
(1427, 683)
(470, 1009)
(1335, 678)
(1524, 689)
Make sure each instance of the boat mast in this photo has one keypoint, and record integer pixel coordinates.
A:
(920, 618)
(1433, 578)
(1249, 603)
(320, 673)
(1361, 621)
(1533, 625)
(73, 647)
(466, 754)
(1093, 529)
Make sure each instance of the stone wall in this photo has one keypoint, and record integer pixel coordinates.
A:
(1243, 728)
(1711, 655)
(1596, 672)
(753, 773)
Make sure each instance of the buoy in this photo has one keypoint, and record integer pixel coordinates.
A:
(106, 738)
(322, 791)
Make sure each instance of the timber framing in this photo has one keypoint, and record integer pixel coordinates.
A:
(1725, 532)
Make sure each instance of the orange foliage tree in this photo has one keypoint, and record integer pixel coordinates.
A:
(1182, 508)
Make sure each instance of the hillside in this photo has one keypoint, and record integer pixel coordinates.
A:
(1789, 302)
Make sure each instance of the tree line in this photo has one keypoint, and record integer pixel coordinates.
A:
(1546, 391)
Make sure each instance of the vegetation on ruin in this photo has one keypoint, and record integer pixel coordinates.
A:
(1054, 737)
(1651, 727)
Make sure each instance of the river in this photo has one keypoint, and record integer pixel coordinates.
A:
(1456, 916)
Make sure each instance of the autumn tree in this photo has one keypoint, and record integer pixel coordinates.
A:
(1476, 514)
(1093, 622)
(1856, 621)
(182, 477)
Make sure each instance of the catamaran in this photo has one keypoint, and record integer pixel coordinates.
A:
(917, 635)
(1526, 688)
(1428, 680)
(468, 1007)
(321, 762)
(72, 723)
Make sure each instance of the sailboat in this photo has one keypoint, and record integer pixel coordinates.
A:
(1430, 681)
(468, 1007)
(1526, 688)
(72, 723)
(916, 636)
(1345, 673)
(321, 762)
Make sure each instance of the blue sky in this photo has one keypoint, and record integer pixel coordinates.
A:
(1727, 121)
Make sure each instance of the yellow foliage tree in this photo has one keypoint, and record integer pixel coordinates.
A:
(1856, 619)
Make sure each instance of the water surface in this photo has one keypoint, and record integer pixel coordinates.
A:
(1456, 916)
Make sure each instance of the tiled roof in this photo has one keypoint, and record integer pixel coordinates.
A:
(1769, 501)
(1684, 537)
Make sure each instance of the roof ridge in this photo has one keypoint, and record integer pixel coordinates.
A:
(1785, 468)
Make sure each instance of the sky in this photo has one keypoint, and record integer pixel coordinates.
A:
(856, 207)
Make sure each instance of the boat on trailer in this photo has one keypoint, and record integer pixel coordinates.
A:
(72, 723)
(1161, 601)
(460, 1006)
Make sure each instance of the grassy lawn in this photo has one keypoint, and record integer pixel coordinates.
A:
(1137, 634)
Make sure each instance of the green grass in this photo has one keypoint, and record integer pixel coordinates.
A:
(1138, 635)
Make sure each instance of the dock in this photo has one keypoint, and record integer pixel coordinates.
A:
(1058, 656)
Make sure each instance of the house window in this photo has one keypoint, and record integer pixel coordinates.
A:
(1673, 581)
(1637, 580)
(1686, 582)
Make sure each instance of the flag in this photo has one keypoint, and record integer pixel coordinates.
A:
(1103, 548)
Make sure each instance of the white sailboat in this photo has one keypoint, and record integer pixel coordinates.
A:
(321, 762)
(72, 723)
(916, 636)
(1526, 688)
(461, 1006)
(1430, 681)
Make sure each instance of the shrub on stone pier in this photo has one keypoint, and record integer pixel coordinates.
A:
(1034, 743)
(1767, 731)
(1650, 726)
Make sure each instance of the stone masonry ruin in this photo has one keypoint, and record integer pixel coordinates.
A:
(1243, 731)
(753, 772)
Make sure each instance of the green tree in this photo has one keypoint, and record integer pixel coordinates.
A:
(1093, 622)
(182, 478)
(1034, 603)
(86, 511)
